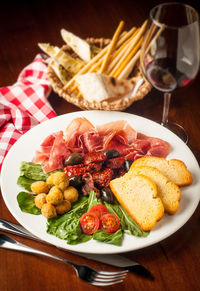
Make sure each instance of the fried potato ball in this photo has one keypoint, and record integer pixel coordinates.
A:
(63, 207)
(48, 210)
(59, 179)
(40, 200)
(39, 187)
(71, 194)
(49, 180)
(55, 196)
(63, 185)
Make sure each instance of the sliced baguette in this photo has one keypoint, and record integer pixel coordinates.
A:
(138, 195)
(175, 170)
(168, 191)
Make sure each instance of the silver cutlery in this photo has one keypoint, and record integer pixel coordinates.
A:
(84, 272)
(113, 260)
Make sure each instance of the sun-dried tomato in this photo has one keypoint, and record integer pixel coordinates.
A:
(81, 169)
(94, 167)
(102, 179)
(115, 163)
(94, 158)
(75, 170)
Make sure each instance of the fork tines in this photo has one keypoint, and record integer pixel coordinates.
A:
(102, 278)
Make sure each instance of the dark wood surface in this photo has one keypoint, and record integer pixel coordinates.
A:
(174, 262)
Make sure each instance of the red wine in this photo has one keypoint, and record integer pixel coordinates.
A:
(164, 75)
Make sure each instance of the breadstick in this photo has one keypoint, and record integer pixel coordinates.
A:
(149, 34)
(98, 57)
(123, 41)
(126, 61)
(131, 46)
(155, 37)
(119, 53)
(127, 70)
(112, 46)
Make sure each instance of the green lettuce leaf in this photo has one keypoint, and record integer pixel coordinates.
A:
(114, 238)
(127, 223)
(32, 171)
(26, 203)
(67, 226)
(25, 182)
(92, 200)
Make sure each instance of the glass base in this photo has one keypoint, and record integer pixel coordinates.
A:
(178, 130)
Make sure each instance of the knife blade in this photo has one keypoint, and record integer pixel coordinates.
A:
(113, 260)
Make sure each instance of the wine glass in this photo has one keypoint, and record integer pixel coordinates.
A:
(170, 53)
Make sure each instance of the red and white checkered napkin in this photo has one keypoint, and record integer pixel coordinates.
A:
(24, 104)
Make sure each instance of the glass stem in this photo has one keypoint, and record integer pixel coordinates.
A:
(167, 98)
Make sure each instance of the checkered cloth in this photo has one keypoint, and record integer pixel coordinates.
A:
(24, 104)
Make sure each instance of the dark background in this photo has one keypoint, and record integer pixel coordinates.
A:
(175, 261)
(24, 24)
(21, 23)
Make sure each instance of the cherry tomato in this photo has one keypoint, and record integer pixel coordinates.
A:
(89, 223)
(109, 222)
(99, 210)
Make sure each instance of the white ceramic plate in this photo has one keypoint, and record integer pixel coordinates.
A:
(24, 148)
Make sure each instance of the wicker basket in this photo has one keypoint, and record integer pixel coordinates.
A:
(118, 104)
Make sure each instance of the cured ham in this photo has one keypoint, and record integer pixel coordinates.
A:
(53, 152)
(92, 141)
(75, 130)
(46, 146)
(82, 136)
(158, 147)
(98, 139)
(120, 130)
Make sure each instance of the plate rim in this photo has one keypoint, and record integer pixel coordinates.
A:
(74, 248)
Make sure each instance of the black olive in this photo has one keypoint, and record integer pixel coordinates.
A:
(127, 165)
(111, 154)
(73, 159)
(107, 195)
(75, 181)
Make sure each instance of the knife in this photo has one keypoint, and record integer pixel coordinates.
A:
(113, 260)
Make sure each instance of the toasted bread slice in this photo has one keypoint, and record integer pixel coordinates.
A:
(168, 191)
(138, 195)
(175, 170)
(80, 46)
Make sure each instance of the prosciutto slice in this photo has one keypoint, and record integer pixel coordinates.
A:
(54, 150)
(99, 138)
(75, 130)
(82, 136)
(158, 147)
(120, 129)
(46, 146)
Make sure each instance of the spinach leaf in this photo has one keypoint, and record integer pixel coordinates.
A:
(25, 182)
(110, 238)
(69, 229)
(67, 226)
(27, 204)
(32, 171)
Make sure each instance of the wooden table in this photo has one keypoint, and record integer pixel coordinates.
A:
(174, 262)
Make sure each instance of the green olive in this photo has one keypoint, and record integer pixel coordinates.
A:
(110, 154)
(75, 181)
(73, 159)
(107, 195)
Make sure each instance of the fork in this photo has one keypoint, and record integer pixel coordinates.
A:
(84, 272)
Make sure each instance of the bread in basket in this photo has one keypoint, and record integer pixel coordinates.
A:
(128, 90)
